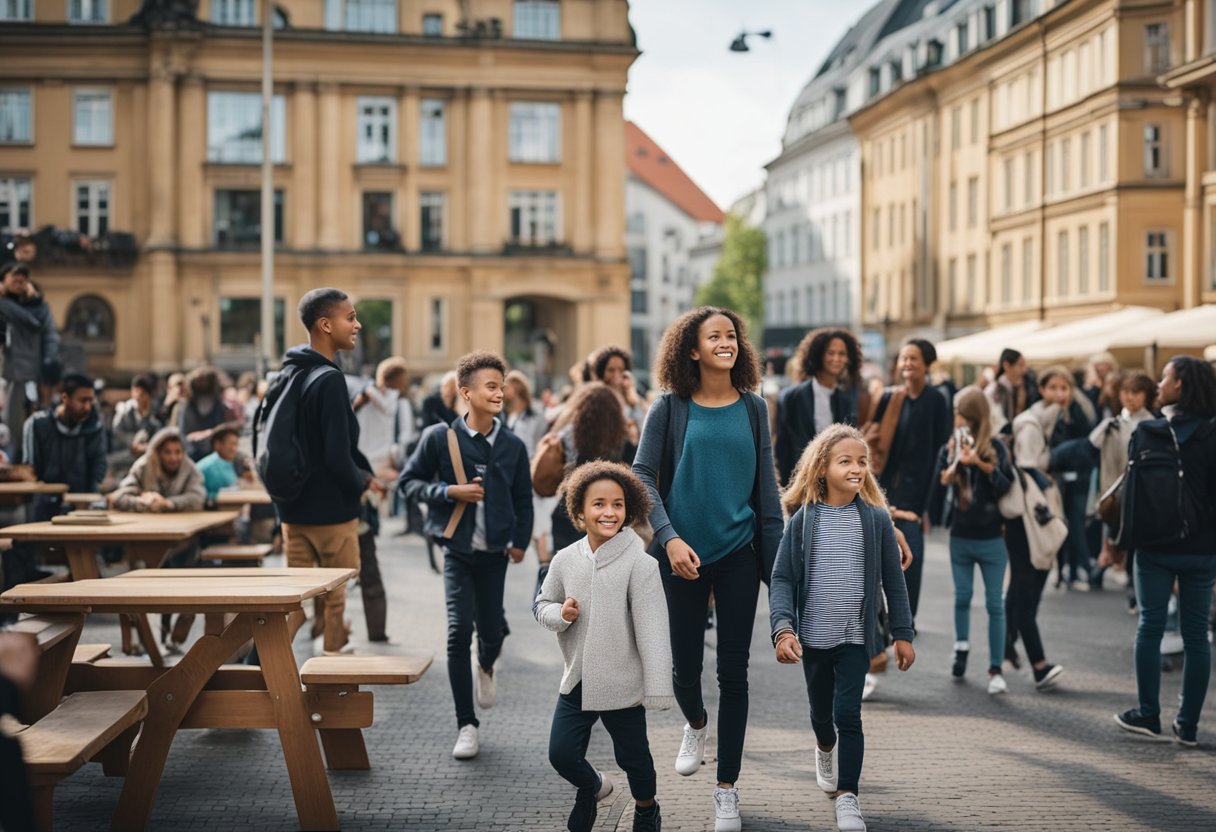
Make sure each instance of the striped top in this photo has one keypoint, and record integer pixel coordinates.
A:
(832, 613)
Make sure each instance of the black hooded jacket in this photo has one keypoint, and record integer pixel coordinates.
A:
(338, 472)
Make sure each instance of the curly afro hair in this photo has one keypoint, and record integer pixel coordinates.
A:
(637, 501)
(675, 369)
(607, 354)
(468, 365)
(815, 346)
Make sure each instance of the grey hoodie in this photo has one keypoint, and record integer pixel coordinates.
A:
(31, 339)
(184, 489)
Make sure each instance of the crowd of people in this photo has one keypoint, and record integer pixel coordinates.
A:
(656, 516)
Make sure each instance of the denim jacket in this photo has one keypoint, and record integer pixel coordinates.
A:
(883, 574)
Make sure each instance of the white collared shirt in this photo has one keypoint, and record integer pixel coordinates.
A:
(479, 517)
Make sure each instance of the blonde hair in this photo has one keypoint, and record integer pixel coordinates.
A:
(972, 405)
(389, 370)
(809, 483)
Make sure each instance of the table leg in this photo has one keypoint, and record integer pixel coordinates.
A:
(140, 620)
(52, 675)
(82, 561)
(345, 749)
(314, 801)
(170, 697)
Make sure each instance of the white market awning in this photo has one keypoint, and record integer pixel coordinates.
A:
(1083, 338)
(1193, 328)
(985, 346)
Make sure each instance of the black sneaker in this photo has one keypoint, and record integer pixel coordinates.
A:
(647, 820)
(582, 816)
(1184, 737)
(1132, 720)
(959, 668)
(1047, 676)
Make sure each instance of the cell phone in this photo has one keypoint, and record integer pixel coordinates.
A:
(962, 438)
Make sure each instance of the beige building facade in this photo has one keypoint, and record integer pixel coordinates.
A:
(1038, 173)
(462, 177)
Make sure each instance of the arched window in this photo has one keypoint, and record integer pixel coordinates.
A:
(90, 322)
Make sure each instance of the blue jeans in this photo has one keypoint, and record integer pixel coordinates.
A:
(474, 586)
(1074, 554)
(1155, 576)
(990, 556)
(834, 680)
(571, 733)
(916, 542)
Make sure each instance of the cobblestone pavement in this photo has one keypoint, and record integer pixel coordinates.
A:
(939, 755)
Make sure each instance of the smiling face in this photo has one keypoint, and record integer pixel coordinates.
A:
(847, 462)
(170, 455)
(485, 392)
(717, 344)
(836, 357)
(603, 511)
(912, 368)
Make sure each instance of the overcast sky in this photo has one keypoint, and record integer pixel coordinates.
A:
(720, 114)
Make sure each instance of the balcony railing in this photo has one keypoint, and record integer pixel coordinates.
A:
(65, 247)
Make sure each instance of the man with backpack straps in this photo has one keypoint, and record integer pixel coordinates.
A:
(1168, 508)
(310, 461)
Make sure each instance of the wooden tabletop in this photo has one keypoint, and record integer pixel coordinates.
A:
(235, 498)
(30, 488)
(83, 498)
(219, 572)
(129, 526)
(158, 593)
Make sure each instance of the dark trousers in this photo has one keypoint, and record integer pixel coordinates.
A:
(1025, 591)
(735, 584)
(371, 585)
(16, 800)
(916, 541)
(474, 586)
(1074, 554)
(834, 680)
(571, 733)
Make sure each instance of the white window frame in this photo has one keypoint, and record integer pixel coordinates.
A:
(1062, 263)
(378, 115)
(1158, 256)
(1155, 162)
(88, 12)
(17, 94)
(536, 203)
(246, 151)
(1157, 58)
(372, 16)
(95, 212)
(105, 134)
(233, 13)
(430, 17)
(12, 11)
(534, 133)
(536, 20)
(10, 217)
(433, 133)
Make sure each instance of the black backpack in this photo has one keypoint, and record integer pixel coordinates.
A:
(1157, 507)
(283, 464)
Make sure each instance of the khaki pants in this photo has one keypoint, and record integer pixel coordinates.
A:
(337, 546)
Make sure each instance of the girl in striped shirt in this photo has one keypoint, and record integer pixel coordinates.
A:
(838, 552)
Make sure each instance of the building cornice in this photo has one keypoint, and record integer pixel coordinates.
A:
(812, 141)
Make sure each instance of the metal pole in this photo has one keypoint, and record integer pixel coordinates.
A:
(266, 352)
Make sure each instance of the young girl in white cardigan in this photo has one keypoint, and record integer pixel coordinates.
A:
(604, 598)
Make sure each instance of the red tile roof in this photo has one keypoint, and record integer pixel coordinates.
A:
(651, 164)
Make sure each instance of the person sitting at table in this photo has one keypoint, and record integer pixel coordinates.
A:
(163, 479)
(66, 444)
(135, 420)
(219, 467)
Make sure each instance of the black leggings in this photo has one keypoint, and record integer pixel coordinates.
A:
(735, 584)
(1025, 591)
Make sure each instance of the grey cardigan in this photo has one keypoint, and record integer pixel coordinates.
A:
(883, 574)
(658, 458)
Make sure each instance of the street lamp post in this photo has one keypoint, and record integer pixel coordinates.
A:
(739, 44)
(266, 347)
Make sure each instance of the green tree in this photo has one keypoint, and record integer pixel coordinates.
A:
(736, 283)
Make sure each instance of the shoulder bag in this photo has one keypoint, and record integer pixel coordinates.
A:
(461, 479)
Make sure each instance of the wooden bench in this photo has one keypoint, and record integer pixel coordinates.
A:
(237, 553)
(56, 635)
(89, 653)
(342, 675)
(85, 726)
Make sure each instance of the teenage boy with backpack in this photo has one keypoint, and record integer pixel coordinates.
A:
(310, 463)
(1168, 515)
(474, 475)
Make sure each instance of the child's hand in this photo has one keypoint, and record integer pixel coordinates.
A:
(789, 651)
(905, 654)
(570, 610)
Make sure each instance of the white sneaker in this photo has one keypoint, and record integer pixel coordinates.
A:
(606, 786)
(692, 749)
(848, 814)
(825, 769)
(486, 684)
(996, 684)
(867, 689)
(467, 745)
(726, 810)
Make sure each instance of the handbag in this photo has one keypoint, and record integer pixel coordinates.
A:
(880, 433)
(1013, 504)
(548, 465)
(1110, 503)
(1046, 530)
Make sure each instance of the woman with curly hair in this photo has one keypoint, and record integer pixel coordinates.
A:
(707, 461)
(613, 365)
(832, 393)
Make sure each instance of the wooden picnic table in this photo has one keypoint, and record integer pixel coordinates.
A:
(189, 694)
(83, 499)
(241, 497)
(21, 492)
